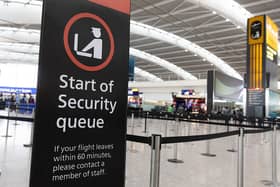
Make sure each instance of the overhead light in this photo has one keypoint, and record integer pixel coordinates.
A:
(227, 20)
(161, 62)
(195, 55)
(212, 64)
(204, 60)
(186, 50)
(214, 12)
(238, 27)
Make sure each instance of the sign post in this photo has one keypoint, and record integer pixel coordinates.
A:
(80, 121)
(262, 55)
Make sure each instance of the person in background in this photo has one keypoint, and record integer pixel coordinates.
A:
(240, 116)
(2, 101)
(226, 114)
(170, 109)
(12, 105)
(31, 99)
(23, 100)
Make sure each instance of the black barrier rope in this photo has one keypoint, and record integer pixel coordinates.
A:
(181, 139)
(162, 116)
(17, 118)
(184, 139)
(223, 124)
(139, 139)
(246, 131)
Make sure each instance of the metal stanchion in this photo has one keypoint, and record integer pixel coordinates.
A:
(132, 148)
(155, 160)
(16, 116)
(166, 131)
(208, 150)
(240, 160)
(232, 149)
(274, 182)
(132, 123)
(145, 127)
(166, 123)
(32, 132)
(175, 150)
(274, 157)
(7, 127)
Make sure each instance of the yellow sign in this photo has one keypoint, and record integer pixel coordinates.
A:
(271, 34)
(256, 30)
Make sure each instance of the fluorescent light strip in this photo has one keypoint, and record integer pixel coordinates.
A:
(10, 52)
(146, 30)
(171, 67)
(147, 75)
(143, 30)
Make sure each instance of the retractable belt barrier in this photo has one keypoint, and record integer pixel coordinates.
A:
(17, 118)
(205, 119)
(155, 141)
(138, 139)
(184, 139)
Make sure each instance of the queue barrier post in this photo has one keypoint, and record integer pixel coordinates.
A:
(175, 147)
(145, 122)
(232, 149)
(132, 149)
(132, 123)
(30, 144)
(7, 125)
(274, 157)
(155, 160)
(208, 150)
(240, 160)
(166, 123)
(16, 111)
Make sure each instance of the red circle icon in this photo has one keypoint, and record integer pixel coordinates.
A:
(69, 52)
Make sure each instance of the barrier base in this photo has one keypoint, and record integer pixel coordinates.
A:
(167, 146)
(132, 150)
(232, 150)
(208, 154)
(270, 183)
(176, 161)
(7, 136)
(27, 145)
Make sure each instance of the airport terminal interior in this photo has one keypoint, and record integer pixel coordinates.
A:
(202, 106)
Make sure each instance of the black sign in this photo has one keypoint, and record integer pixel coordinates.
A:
(256, 97)
(80, 121)
(255, 103)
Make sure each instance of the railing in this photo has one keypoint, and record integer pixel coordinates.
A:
(156, 141)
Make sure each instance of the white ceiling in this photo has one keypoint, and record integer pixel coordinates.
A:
(194, 22)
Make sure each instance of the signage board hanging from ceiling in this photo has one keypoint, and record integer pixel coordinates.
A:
(80, 121)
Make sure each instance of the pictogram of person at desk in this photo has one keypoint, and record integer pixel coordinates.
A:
(96, 45)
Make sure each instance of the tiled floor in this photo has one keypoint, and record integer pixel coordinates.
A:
(196, 171)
